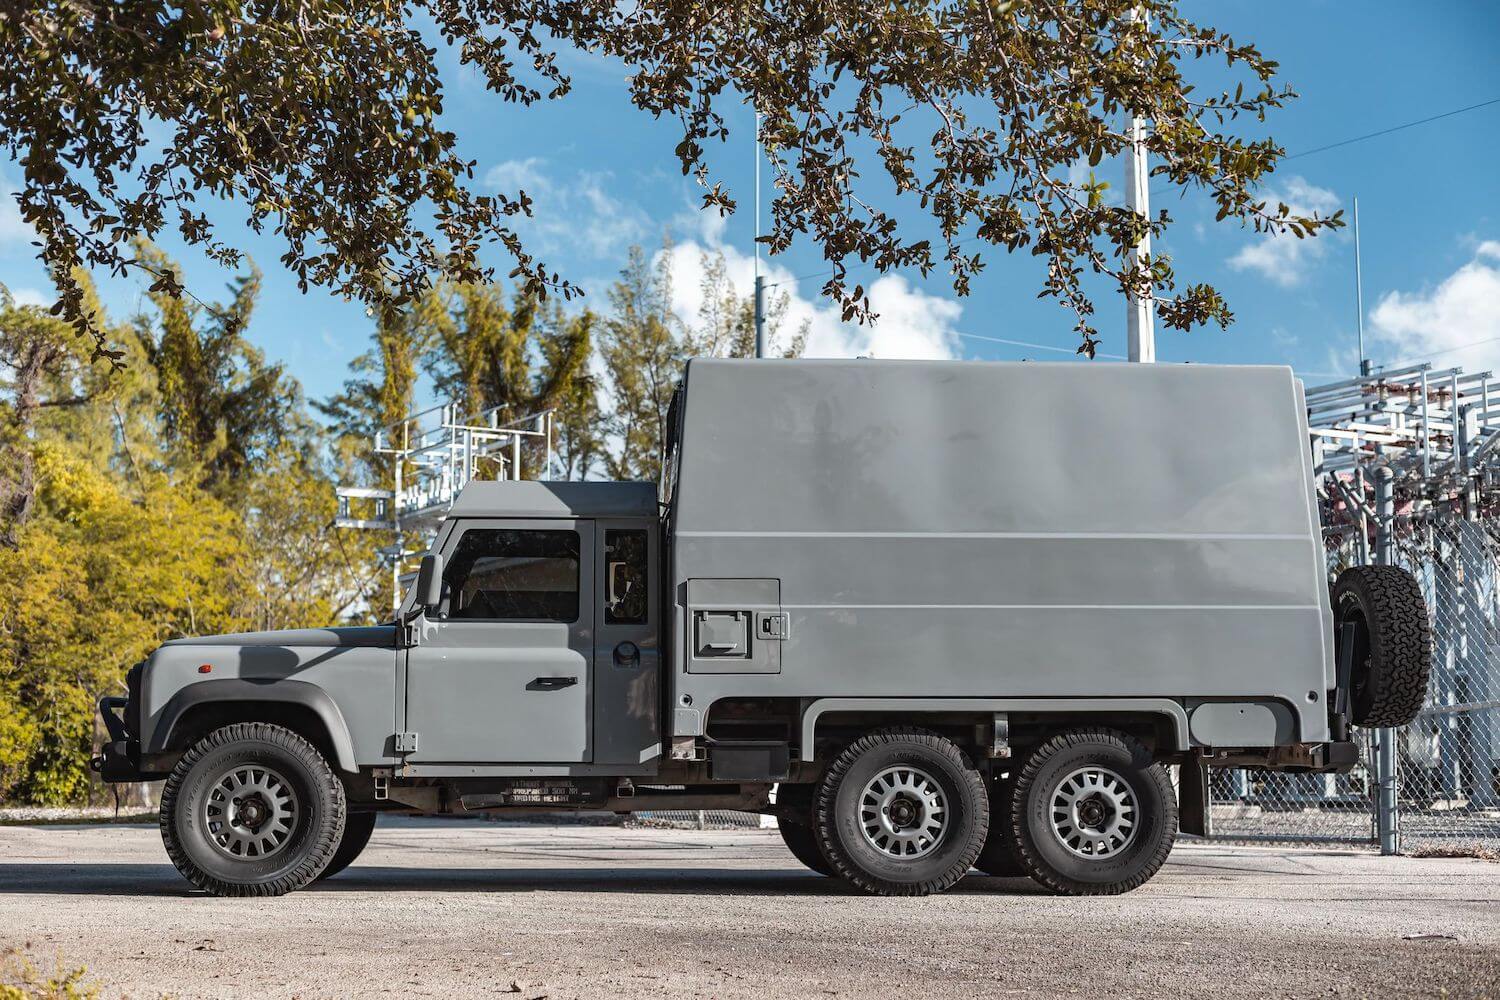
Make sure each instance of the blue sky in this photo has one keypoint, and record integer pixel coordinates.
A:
(604, 177)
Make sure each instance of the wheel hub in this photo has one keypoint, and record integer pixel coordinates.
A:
(250, 812)
(1094, 812)
(903, 812)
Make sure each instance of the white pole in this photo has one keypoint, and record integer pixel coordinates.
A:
(760, 311)
(1140, 320)
(1359, 296)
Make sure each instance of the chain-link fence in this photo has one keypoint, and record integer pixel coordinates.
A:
(1447, 761)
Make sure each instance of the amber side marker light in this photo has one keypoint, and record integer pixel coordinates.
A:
(206, 668)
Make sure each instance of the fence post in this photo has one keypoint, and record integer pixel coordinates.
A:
(1387, 818)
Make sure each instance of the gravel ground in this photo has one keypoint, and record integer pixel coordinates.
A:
(451, 908)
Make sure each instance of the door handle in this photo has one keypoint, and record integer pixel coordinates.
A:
(627, 654)
(551, 683)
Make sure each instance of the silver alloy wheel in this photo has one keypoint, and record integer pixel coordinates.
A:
(903, 812)
(1094, 812)
(250, 812)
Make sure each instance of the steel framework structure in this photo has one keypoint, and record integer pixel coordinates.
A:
(1407, 463)
(434, 453)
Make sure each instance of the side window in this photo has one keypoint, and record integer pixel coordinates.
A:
(625, 577)
(527, 575)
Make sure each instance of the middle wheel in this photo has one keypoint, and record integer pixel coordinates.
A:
(901, 812)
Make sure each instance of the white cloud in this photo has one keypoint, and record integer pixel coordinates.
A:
(910, 322)
(576, 213)
(514, 174)
(1282, 257)
(1457, 321)
(30, 297)
(16, 234)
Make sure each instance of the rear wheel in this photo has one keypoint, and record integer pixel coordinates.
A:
(358, 826)
(1392, 643)
(1092, 814)
(252, 809)
(901, 812)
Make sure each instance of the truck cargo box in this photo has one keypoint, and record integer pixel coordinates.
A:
(1000, 530)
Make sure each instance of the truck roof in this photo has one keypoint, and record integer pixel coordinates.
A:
(528, 498)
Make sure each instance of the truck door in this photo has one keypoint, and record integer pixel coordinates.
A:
(627, 654)
(505, 674)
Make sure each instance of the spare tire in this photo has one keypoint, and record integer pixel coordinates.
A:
(1392, 643)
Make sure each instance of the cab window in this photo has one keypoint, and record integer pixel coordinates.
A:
(513, 574)
(625, 576)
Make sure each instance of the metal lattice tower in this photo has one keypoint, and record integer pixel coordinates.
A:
(435, 454)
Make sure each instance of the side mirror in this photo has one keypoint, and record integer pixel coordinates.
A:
(429, 582)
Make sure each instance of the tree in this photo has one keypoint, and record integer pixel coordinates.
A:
(97, 580)
(642, 357)
(325, 126)
(522, 358)
(222, 406)
(114, 538)
(376, 399)
(726, 319)
(645, 344)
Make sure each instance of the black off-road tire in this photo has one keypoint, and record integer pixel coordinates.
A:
(358, 826)
(999, 856)
(1393, 643)
(838, 824)
(803, 843)
(315, 835)
(1040, 848)
(794, 820)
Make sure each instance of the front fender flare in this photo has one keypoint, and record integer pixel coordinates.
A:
(170, 722)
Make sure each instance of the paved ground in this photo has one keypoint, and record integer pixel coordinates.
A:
(454, 908)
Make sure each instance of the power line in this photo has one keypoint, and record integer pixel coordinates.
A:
(1446, 350)
(1024, 343)
(1393, 128)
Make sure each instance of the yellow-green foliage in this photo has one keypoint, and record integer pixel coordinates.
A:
(99, 579)
(144, 525)
(22, 980)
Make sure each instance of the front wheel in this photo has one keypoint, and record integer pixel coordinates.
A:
(901, 812)
(1092, 814)
(252, 809)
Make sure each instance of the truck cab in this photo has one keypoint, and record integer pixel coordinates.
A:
(543, 649)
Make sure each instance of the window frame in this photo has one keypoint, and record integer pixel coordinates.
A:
(607, 584)
(572, 526)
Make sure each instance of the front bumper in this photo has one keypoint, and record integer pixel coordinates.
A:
(119, 758)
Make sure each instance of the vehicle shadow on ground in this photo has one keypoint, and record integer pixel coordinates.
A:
(163, 880)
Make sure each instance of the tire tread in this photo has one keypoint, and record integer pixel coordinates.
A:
(1400, 641)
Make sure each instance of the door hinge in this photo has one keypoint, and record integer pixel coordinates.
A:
(411, 634)
(406, 742)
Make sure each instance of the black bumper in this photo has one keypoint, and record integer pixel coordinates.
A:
(119, 758)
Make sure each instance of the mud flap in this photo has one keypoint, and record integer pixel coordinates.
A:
(1192, 798)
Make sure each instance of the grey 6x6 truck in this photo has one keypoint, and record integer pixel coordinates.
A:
(931, 616)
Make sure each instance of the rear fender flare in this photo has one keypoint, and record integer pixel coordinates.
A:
(1053, 706)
